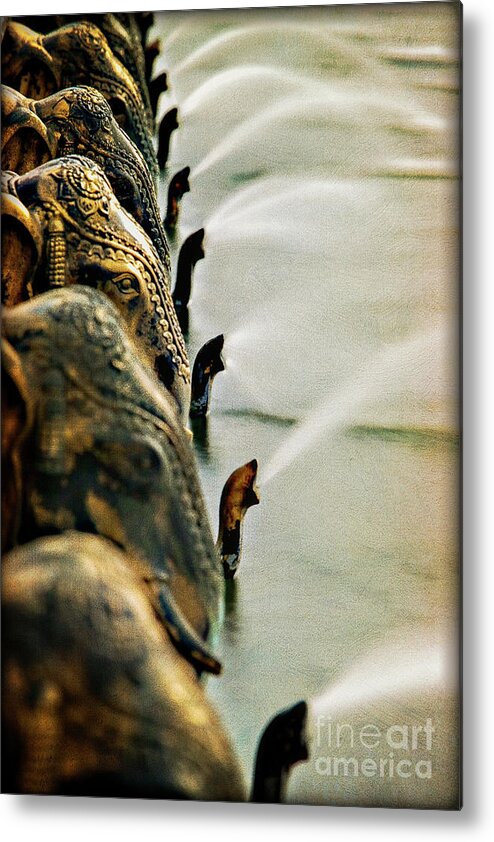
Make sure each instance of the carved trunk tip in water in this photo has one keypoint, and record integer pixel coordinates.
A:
(282, 745)
(191, 252)
(145, 21)
(151, 53)
(156, 87)
(239, 494)
(208, 363)
(179, 185)
(168, 125)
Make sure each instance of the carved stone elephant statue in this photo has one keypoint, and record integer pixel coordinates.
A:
(96, 700)
(121, 31)
(93, 444)
(77, 54)
(80, 121)
(88, 238)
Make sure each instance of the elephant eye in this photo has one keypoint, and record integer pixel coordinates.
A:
(137, 464)
(128, 285)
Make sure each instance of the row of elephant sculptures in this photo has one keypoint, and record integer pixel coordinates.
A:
(113, 585)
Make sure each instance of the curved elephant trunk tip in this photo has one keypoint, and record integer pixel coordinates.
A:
(145, 21)
(282, 745)
(191, 252)
(179, 185)
(208, 363)
(167, 126)
(151, 53)
(239, 493)
(156, 87)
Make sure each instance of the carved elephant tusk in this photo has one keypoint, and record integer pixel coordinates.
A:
(183, 636)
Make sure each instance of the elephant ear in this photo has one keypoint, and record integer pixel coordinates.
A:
(26, 65)
(22, 245)
(17, 421)
(25, 142)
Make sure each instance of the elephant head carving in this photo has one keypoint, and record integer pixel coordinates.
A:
(99, 448)
(121, 32)
(25, 139)
(79, 121)
(77, 54)
(105, 706)
(90, 239)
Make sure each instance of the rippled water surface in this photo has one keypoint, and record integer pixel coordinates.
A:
(323, 151)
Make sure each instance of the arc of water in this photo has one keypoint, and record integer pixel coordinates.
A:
(256, 31)
(333, 106)
(333, 39)
(254, 199)
(414, 663)
(230, 78)
(335, 409)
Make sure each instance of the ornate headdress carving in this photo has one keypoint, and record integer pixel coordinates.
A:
(78, 54)
(73, 198)
(79, 121)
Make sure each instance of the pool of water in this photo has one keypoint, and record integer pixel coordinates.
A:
(323, 148)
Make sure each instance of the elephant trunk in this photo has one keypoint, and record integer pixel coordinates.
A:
(207, 365)
(144, 21)
(239, 494)
(281, 746)
(156, 87)
(179, 185)
(168, 125)
(151, 53)
(191, 252)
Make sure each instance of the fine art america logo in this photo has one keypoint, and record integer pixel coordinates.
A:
(403, 751)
